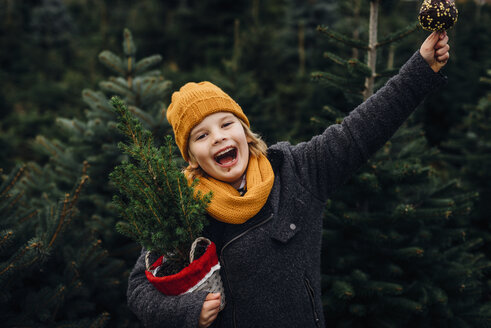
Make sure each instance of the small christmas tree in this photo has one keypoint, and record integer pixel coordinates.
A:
(47, 278)
(88, 144)
(159, 208)
(399, 248)
(467, 153)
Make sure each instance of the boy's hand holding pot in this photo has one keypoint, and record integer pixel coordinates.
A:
(210, 310)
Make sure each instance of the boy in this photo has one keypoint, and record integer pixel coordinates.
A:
(266, 212)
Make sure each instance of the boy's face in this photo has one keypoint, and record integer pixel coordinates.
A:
(220, 147)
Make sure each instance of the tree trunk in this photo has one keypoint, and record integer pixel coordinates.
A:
(372, 45)
(255, 11)
(356, 31)
(390, 59)
(237, 46)
(301, 48)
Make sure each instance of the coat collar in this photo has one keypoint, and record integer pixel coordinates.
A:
(276, 158)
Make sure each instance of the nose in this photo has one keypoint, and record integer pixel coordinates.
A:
(218, 137)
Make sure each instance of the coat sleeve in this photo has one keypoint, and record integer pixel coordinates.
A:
(155, 309)
(329, 159)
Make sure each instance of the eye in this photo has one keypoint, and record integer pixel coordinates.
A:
(200, 136)
(227, 124)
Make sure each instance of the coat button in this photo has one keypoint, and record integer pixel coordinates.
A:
(293, 226)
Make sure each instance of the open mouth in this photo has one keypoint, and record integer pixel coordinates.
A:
(226, 156)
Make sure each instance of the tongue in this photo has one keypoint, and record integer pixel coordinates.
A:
(226, 159)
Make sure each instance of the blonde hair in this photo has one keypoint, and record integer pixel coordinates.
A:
(257, 147)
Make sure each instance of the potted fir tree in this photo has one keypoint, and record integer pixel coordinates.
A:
(161, 211)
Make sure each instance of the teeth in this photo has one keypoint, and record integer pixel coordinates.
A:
(223, 152)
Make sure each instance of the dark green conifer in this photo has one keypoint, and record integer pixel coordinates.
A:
(90, 146)
(467, 153)
(398, 244)
(51, 23)
(44, 273)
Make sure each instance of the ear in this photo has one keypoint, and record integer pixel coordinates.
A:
(248, 139)
(193, 164)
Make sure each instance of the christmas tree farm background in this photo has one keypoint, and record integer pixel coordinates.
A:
(406, 240)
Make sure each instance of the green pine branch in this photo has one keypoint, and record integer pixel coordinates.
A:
(129, 47)
(159, 208)
(145, 63)
(342, 38)
(353, 65)
(112, 61)
(342, 83)
(398, 35)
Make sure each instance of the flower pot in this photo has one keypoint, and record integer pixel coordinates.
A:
(201, 274)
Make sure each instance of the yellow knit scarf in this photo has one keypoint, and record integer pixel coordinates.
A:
(227, 205)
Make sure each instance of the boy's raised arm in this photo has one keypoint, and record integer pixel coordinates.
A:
(155, 309)
(329, 159)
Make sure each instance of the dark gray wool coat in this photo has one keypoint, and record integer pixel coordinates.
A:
(271, 263)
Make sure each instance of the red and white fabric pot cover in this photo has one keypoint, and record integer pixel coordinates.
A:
(200, 274)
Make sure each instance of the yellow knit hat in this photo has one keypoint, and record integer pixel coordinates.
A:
(192, 103)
